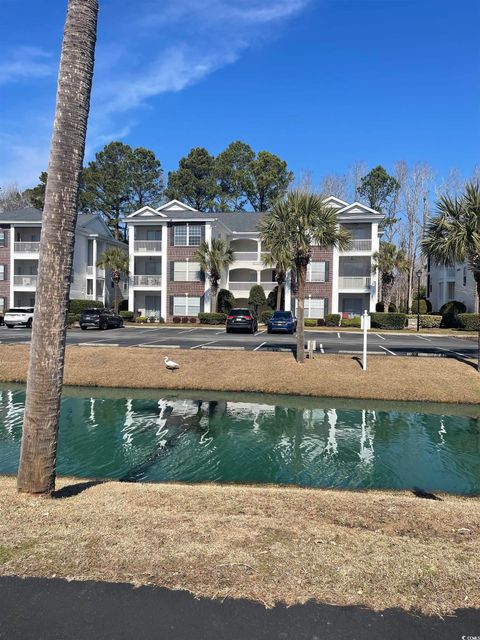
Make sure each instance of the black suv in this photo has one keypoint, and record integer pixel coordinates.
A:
(241, 319)
(100, 319)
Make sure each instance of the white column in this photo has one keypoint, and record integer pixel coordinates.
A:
(288, 292)
(259, 250)
(334, 276)
(94, 270)
(12, 265)
(309, 305)
(207, 298)
(131, 268)
(164, 294)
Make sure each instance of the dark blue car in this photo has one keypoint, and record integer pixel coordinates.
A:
(282, 321)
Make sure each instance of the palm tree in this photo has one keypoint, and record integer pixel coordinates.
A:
(214, 258)
(36, 473)
(116, 260)
(390, 261)
(453, 235)
(280, 261)
(296, 223)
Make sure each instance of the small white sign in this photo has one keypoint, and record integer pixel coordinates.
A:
(366, 323)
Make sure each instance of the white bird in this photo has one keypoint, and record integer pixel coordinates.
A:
(171, 365)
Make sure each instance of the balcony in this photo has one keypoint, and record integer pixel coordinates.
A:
(100, 273)
(354, 282)
(147, 281)
(359, 245)
(26, 247)
(147, 246)
(24, 281)
(245, 256)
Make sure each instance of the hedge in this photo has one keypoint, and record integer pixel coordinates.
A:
(77, 306)
(127, 315)
(425, 306)
(469, 321)
(333, 319)
(265, 316)
(141, 319)
(388, 320)
(430, 322)
(351, 322)
(380, 307)
(310, 322)
(211, 318)
(450, 312)
(72, 318)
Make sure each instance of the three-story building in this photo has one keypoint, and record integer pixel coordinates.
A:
(19, 246)
(166, 279)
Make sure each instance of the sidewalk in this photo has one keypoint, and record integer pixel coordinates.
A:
(39, 609)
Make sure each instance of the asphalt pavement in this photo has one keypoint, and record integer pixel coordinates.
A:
(390, 344)
(41, 609)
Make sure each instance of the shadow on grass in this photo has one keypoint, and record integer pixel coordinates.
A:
(72, 490)
(421, 493)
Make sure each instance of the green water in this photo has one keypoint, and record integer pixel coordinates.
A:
(197, 437)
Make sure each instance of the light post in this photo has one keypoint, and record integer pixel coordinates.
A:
(419, 275)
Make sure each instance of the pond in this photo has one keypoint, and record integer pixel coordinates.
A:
(158, 436)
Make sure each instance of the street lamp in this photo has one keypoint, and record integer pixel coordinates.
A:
(419, 275)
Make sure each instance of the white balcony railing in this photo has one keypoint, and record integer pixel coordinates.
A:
(246, 286)
(24, 281)
(147, 246)
(99, 273)
(147, 281)
(89, 270)
(246, 256)
(268, 286)
(354, 282)
(26, 247)
(359, 245)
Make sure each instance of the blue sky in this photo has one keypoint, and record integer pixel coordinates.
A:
(323, 83)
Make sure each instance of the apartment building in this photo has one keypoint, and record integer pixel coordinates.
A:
(166, 280)
(19, 245)
(451, 283)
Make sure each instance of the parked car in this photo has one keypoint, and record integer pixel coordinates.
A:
(282, 321)
(241, 320)
(19, 315)
(100, 319)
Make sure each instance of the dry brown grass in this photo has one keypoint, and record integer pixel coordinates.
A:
(377, 549)
(388, 378)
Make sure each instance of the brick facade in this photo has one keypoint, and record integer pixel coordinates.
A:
(5, 260)
(181, 254)
(322, 289)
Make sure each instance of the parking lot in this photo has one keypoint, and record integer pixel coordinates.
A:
(410, 344)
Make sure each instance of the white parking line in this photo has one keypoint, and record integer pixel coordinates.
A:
(96, 344)
(202, 345)
(259, 346)
(450, 351)
(322, 350)
(159, 346)
(260, 332)
(217, 333)
(380, 336)
(388, 350)
(423, 338)
(338, 334)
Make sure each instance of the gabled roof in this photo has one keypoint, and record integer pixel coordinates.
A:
(146, 212)
(335, 202)
(358, 207)
(175, 205)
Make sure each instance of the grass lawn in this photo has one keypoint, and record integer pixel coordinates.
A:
(388, 378)
(270, 544)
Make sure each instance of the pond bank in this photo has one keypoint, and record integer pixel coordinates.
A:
(388, 378)
(378, 549)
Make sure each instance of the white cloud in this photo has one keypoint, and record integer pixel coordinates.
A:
(26, 63)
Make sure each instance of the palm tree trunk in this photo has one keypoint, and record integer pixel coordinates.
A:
(214, 296)
(36, 473)
(279, 295)
(116, 302)
(301, 279)
(477, 282)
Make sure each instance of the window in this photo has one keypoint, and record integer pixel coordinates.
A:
(186, 271)
(90, 253)
(89, 287)
(451, 290)
(3, 238)
(317, 272)
(3, 271)
(154, 234)
(3, 304)
(187, 235)
(315, 307)
(186, 305)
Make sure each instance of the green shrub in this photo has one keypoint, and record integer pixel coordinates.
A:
(127, 315)
(212, 318)
(256, 298)
(469, 321)
(225, 301)
(177, 319)
(430, 322)
(72, 318)
(388, 320)
(141, 319)
(351, 322)
(77, 306)
(310, 322)
(333, 319)
(423, 304)
(450, 311)
(272, 297)
(380, 307)
(265, 316)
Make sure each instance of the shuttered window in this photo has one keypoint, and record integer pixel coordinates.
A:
(317, 272)
(186, 305)
(186, 272)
